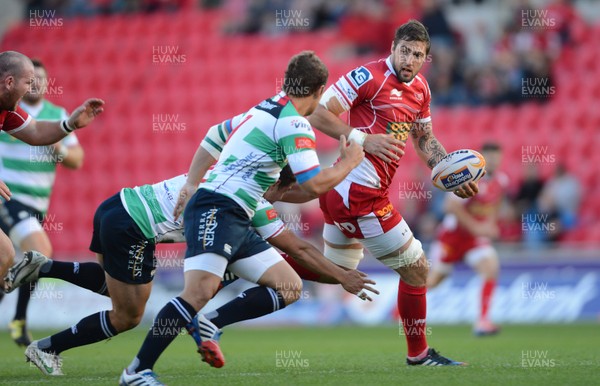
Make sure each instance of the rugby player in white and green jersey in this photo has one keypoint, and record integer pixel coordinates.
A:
(127, 227)
(29, 172)
(218, 216)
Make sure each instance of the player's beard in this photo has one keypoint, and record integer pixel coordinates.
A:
(31, 98)
(405, 75)
(11, 101)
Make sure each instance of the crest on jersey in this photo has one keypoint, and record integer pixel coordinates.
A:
(419, 96)
(359, 76)
(395, 95)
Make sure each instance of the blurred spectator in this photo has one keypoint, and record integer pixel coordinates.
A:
(562, 194)
(529, 189)
(541, 223)
(363, 27)
(434, 18)
(567, 23)
(475, 68)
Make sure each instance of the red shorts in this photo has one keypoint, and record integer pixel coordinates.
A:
(456, 243)
(359, 212)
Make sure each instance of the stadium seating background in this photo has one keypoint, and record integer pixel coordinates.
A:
(112, 58)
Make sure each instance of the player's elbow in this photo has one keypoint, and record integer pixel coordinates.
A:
(313, 188)
(76, 161)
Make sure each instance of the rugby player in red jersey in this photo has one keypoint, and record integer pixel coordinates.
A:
(387, 96)
(387, 101)
(16, 77)
(466, 233)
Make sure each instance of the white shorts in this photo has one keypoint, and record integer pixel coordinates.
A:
(24, 229)
(378, 246)
(472, 257)
(250, 268)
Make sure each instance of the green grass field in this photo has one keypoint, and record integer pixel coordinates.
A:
(520, 355)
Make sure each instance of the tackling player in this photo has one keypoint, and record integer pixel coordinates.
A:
(385, 96)
(130, 292)
(16, 77)
(466, 233)
(216, 219)
(29, 173)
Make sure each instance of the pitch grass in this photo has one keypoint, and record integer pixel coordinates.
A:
(520, 355)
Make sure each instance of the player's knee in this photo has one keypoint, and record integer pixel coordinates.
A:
(490, 268)
(125, 320)
(418, 275)
(291, 291)
(198, 295)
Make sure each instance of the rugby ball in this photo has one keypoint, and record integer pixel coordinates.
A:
(457, 168)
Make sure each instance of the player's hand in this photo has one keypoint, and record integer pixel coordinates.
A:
(85, 114)
(186, 192)
(384, 146)
(467, 190)
(5, 191)
(356, 282)
(353, 152)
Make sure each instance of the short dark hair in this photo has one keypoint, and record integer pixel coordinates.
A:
(413, 30)
(491, 146)
(37, 63)
(286, 176)
(305, 74)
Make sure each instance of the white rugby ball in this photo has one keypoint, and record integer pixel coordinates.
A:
(457, 168)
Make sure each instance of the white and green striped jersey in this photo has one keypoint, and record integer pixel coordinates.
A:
(261, 142)
(151, 207)
(29, 171)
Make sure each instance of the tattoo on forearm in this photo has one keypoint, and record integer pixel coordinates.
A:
(434, 148)
(428, 144)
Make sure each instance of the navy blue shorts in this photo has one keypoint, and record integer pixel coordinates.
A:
(216, 224)
(13, 212)
(128, 254)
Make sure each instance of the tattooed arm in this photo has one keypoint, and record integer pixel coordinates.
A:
(432, 151)
(427, 146)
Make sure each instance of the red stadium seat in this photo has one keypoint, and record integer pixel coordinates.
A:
(112, 57)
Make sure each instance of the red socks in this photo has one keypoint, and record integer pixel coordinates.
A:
(486, 295)
(412, 307)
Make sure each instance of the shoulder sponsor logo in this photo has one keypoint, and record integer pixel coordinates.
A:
(305, 143)
(271, 214)
(360, 76)
(297, 123)
(395, 95)
(348, 91)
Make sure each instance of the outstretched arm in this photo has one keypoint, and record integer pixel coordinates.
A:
(40, 133)
(308, 256)
(326, 120)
